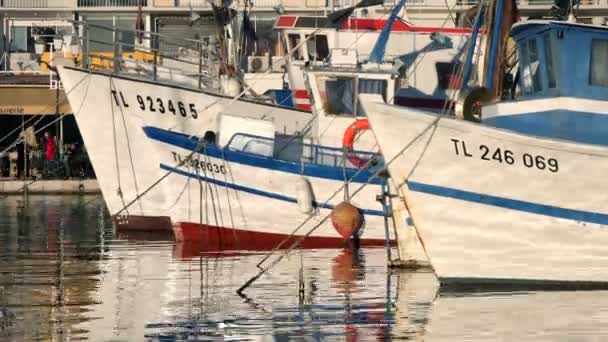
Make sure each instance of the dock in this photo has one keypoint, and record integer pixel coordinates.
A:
(75, 186)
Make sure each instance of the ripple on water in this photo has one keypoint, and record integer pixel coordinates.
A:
(65, 273)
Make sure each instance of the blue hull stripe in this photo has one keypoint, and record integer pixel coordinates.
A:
(507, 203)
(256, 191)
(244, 158)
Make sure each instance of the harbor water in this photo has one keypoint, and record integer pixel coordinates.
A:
(65, 274)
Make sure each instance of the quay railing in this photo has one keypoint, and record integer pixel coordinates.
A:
(67, 4)
(112, 3)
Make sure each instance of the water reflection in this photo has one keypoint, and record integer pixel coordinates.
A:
(65, 274)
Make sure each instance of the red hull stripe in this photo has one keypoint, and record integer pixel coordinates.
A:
(300, 94)
(304, 106)
(219, 239)
(286, 21)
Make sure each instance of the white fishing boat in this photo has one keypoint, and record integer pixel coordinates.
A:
(521, 203)
(111, 110)
(255, 186)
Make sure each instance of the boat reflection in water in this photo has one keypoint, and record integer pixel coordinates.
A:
(317, 294)
(65, 274)
(492, 315)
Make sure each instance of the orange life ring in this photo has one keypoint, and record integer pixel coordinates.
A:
(349, 139)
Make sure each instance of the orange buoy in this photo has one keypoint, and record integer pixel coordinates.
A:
(347, 219)
(348, 141)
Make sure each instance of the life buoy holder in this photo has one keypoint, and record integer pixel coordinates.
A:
(349, 139)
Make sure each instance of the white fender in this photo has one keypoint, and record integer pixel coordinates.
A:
(304, 195)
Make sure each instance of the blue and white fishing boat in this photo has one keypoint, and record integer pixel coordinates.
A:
(257, 187)
(518, 198)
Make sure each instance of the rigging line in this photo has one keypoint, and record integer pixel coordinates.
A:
(295, 48)
(181, 193)
(344, 188)
(208, 187)
(313, 34)
(300, 239)
(236, 193)
(118, 178)
(324, 204)
(57, 101)
(217, 194)
(424, 53)
(200, 208)
(257, 77)
(160, 179)
(18, 128)
(19, 139)
(133, 173)
(234, 236)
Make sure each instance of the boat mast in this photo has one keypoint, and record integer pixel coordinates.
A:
(504, 15)
(468, 65)
(377, 54)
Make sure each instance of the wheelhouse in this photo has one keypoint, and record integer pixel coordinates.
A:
(562, 59)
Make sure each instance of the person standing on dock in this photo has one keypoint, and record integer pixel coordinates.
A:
(50, 149)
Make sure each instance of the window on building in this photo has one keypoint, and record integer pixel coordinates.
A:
(598, 72)
(318, 49)
(551, 62)
(19, 39)
(294, 40)
(102, 34)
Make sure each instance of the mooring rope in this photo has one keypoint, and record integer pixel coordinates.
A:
(320, 223)
(124, 124)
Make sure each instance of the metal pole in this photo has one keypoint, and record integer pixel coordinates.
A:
(154, 62)
(498, 16)
(200, 63)
(385, 198)
(24, 146)
(85, 49)
(60, 118)
(117, 49)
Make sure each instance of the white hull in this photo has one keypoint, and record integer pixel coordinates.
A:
(537, 215)
(117, 146)
(112, 129)
(248, 195)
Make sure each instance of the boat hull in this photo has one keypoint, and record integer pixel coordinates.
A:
(491, 205)
(110, 112)
(249, 201)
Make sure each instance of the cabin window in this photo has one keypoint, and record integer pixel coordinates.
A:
(371, 86)
(318, 49)
(294, 40)
(341, 96)
(526, 80)
(550, 65)
(534, 64)
(599, 69)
